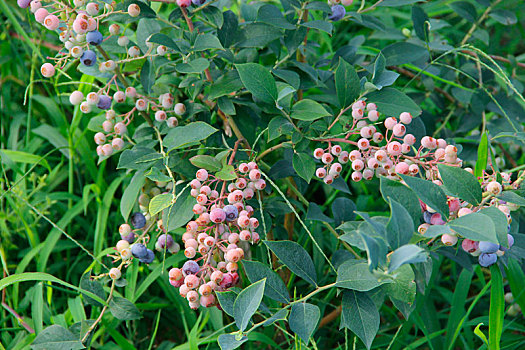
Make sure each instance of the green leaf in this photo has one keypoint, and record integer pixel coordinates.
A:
(500, 224)
(308, 110)
(303, 320)
(403, 52)
(516, 279)
(421, 23)
(400, 227)
(359, 314)
(226, 300)
(315, 213)
(163, 39)
(479, 333)
(230, 342)
(58, 338)
(188, 135)
(504, 17)
(512, 197)
(22, 157)
(295, 258)
(206, 162)
(227, 173)
(259, 81)
(475, 226)
(354, 274)
(465, 10)
(197, 65)
(347, 85)
(343, 209)
(407, 254)
(54, 137)
(147, 75)
(129, 197)
(279, 126)
(258, 35)
(403, 285)
(207, 42)
(270, 14)
(430, 193)
(225, 85)
(180, 212)
(460, 183)
(275, 287)
(392, 102)
(154, 174)
(324, 26)
(93, 286)
(304, 165)
(247, 302)
(483, 154)
(403, 195)
(159, 203)
(497, 308)
(123, 309)
(280, 315)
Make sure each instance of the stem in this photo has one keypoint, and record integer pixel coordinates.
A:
(347, 246)
(481, 19)
(271, 149)
(188, 20)
(99, 318)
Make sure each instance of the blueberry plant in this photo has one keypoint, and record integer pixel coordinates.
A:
(301, 173)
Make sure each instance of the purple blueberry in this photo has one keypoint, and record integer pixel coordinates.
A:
(427, 216)
(129, 237)
(104, 102)
(164, 242)
(488, 247)
(139, 250)
(487, 259)
(511, 240)
(231, 212)
(88, 58)
(198, 2)
(148, 259)
(138, 220)
(23, 3)
(338, 12)
(94, 38)
(190, 267)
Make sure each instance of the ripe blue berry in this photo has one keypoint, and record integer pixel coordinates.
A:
(190, 267)
(130, 237)
(487, 259)
(139, 250)
(94, 38)
(88, 58)
(231, 212)
(164, 242)
(138, 220)
(338, 12)
(23, 3)
(148, 259)
(488, 247)
(198, 2)
(427, 216)
(104, 102)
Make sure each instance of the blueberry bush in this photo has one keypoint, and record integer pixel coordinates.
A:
(219, 174)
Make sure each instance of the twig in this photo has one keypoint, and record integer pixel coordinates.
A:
(99, 318)
(417, 77)
(18, 317)
(481, 19)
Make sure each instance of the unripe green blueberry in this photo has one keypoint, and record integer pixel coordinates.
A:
(114, 29)
(134, 10)
(121, 245)
(123, 41)
(76, 97)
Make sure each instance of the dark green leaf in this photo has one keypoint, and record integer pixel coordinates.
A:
(347, 84)
(400, 227)
(354, 274)
(403, 195)
(197, 65)
(230, 342)
(430, 193)
(123, 309)
(303, 320)
(247, 302)
(181, 212)
(304, 165)
(206, 162)
(407, 254)
(460, 183)
(207, 42)
(392, 102)
(129, 197)
(475, 226)
(421, 23)
(275, 287)
(483, 154)
(464, 9)
(359, 314)
(295, 258)
(315, 213)
(259, 81)
(58, 338)
(504, 17)
(403, 52)
(343, 210)
(308, 110)
(188, 135)
(271, 15)
(225, 85)
(319, 24)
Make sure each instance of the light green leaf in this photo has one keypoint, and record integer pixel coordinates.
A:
(308, 110)
(188, 135)
(159, 203)
(295, 258)
(259, 81)
(247, 302)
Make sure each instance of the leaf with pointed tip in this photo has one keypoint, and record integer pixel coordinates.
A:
(247, 302)
(303, 320)
(360, 315)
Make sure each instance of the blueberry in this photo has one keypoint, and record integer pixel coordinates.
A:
(88, 58)
(164, 242)
(148, 259)
(487, 259)
(190, 267)
(130, 237)
(488, 247)
(231, 212)
(427, 216)
(511, 240)
(338, 12)
(138, 220)
(94, 37)
(104, 102)
(139, 250)
(23, 3)
(198, 2)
